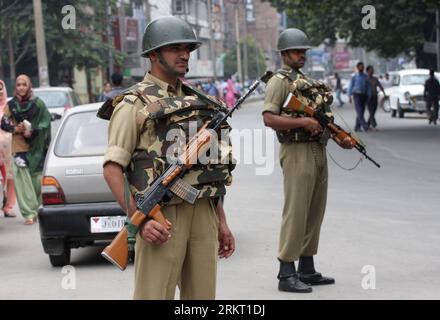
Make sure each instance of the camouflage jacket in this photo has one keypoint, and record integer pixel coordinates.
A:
(169, 122)
(308, 91)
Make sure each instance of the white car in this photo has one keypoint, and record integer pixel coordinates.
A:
(57, 99)
(406, 92)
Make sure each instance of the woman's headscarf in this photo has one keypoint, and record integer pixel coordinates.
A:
(28, 94)
(3, 98)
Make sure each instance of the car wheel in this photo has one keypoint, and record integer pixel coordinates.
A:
(393, 113)
(400, 111)
(62, 259)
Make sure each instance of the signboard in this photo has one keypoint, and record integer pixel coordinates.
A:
(250, 11)
(131, 35)
(342, 60)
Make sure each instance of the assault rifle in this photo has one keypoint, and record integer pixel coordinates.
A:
(149, 204)
(337, 133)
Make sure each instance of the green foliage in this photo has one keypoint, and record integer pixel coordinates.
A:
(401, 26)
(84, 46)
(256, 61)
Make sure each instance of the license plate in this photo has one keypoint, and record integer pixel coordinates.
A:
(106, 224)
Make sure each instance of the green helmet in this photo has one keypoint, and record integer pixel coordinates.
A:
(165, 31)
(293, 39)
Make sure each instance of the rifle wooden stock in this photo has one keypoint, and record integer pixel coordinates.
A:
(117, 251)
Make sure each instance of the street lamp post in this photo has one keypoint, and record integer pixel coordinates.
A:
(43, 72)
(237, 39)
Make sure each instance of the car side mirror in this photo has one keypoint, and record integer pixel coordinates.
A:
(55, 116)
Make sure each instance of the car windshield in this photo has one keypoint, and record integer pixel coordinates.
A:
(83, 134)
(53, 99)
(414, 79)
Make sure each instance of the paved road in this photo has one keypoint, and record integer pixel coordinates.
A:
(386, 218)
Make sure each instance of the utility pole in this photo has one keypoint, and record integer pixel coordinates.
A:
(122, 30)
(437, 31)
(237, 39)
(211, 41)
(108, 21)
(245, 48)
(43, 72)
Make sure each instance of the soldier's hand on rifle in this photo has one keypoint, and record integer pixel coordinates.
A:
(347, 143)
(153, 232)
(312, 126)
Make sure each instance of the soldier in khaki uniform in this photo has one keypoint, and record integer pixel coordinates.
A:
(304, 164)
(186, 255)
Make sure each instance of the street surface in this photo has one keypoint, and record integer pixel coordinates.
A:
(385, 220)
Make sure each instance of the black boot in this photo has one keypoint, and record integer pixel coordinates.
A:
(308, 274)
(289, 280)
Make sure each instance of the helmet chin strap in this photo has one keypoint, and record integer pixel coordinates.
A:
(168, 67)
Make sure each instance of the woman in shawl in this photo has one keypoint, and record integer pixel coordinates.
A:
(6, 159)
(28, 119)
(231, 92)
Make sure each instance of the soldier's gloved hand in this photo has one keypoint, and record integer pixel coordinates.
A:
(153, 232)
(312, 126)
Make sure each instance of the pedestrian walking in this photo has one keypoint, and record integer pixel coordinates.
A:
(117, 88)
(28, 119)
(105, 95)
(6, 160)
(373, 100)
(338, 89)
(360, 90)
(211, 89)
(231, 93)
(431, 95)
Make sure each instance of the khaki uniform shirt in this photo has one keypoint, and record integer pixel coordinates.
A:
(124, 133)
(277, 90)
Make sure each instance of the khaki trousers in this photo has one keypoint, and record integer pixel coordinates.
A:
(305, 195)
(187, 260)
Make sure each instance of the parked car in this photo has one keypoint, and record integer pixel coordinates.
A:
(406, 93)
(57, 99)
(78, 208)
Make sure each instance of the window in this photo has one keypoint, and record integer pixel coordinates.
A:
(413, 79)
(178, 6)
(53, 99)
(83, 134)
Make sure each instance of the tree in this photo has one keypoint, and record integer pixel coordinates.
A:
(15, 33)
(402, 26)
(256, 61)
(83, 46)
